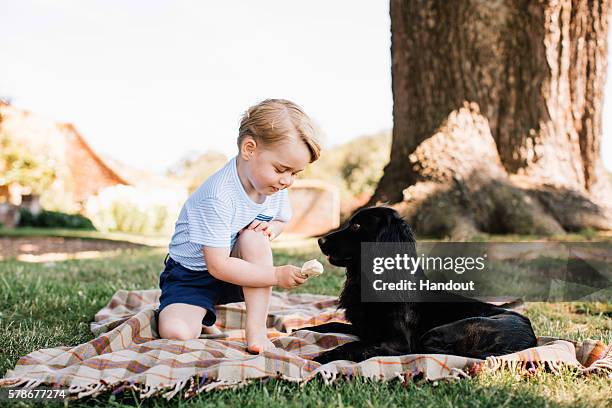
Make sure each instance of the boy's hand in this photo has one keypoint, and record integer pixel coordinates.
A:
(289, 276)
(262, 226)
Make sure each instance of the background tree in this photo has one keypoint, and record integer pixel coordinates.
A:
(196, 167)
(20, 165)
(497, 116)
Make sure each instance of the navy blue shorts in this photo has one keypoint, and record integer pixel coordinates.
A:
(182, 285)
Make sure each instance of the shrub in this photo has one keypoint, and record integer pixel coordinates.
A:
(54, 219)
(24, 165)
(135, 210)
(196, 167)
(355, 167)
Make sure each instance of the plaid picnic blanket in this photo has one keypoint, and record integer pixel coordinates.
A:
(127, 353)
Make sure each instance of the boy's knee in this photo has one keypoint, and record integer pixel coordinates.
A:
(253, 239)
(254, 247)
(178, 330)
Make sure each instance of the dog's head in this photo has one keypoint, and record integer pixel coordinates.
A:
(373, 224)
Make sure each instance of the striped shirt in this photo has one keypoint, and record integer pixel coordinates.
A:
(216, 211)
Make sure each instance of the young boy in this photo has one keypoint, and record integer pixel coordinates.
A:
(220, 251)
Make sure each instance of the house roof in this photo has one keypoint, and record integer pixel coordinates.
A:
(80, 141)
(81, 170)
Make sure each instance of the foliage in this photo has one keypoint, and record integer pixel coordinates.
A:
(56, 198)
(197, 167)
(54, 219)
(135, 210)
(355, 167)
(20, 164)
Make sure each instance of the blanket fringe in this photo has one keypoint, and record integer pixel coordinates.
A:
(147, 391)
(195, 385)
(177, 387)
(458, 373)
(219, 384)
(495, 363)
(328, 376)
(12, 382)
(331, 375)
(603, 365)
(92, 389)
(32, 384)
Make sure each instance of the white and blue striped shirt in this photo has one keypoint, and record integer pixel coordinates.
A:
(216, 211)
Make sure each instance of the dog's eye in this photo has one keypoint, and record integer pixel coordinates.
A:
(355, 227)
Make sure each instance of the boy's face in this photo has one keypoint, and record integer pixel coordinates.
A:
(274, 168)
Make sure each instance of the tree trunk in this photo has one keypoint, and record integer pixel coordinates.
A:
(497, 99)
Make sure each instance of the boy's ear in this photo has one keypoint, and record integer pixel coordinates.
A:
(248, 147)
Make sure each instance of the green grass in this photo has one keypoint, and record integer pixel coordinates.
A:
(50, 305)
(159, 241)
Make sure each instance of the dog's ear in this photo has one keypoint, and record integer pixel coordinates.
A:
(396, 230)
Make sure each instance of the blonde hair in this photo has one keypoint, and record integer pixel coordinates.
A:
(276, 120)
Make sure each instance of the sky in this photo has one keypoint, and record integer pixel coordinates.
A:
(148, 82)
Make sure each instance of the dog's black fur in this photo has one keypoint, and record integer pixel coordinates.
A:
(466, 328)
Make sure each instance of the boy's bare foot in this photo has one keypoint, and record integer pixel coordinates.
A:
(258, 342)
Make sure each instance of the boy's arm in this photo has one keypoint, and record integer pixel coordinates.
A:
(240, 272)
(235, 270)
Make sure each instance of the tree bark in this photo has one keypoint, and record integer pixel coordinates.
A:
(532, 73)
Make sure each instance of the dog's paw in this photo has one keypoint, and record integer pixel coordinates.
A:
(438, 341)
(324, 358)
(311, 328)
(331, 355)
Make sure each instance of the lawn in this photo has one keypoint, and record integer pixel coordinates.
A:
(160, 241)
(50, 304)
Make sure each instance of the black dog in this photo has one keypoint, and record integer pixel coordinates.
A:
(466, 328)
